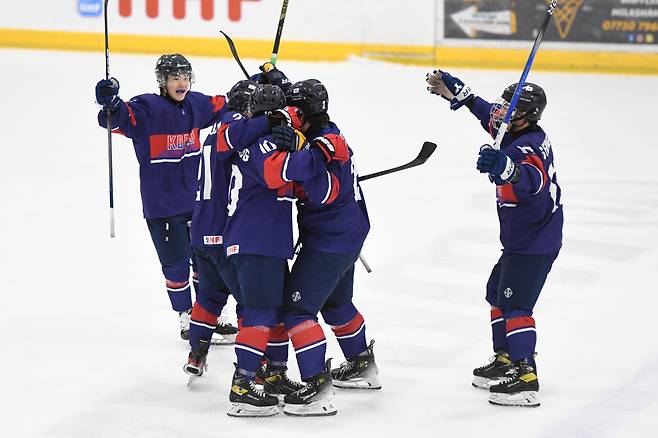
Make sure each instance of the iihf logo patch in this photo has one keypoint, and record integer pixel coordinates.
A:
(296, 296)
(508, 292)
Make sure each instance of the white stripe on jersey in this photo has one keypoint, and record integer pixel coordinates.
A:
(363, 325)
(517, 331)
(176, 160)
(541, 177)
(285, 169)
(310, 347)
(328, 189)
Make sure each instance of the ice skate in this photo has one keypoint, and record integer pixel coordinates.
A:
(520, 390)
(498, 370)
(246, 400)
(360, 372)
(184, 321)
(277, 383)
(196, 361)
(224, 333)
(314, 399)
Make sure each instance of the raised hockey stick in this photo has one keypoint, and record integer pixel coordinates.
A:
(109, 127)
(425, 152)
(519, 87)
(234, 51)
(279, 31)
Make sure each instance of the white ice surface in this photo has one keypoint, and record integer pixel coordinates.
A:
(89, 343)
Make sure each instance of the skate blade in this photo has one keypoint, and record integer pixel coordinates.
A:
(248, 411)
(320, 408)
(484, 383)
(358, 384)
(222, 339)
(527, 399)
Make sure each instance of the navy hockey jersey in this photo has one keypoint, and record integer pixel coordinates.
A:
(530, 211)
(210, 208)
(332, 215)
(261, 194)
(165, 136)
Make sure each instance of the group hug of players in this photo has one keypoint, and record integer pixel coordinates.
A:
(226, 204)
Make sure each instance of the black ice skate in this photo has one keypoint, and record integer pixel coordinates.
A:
(498, 370)
(276, 382)
(184, 321)
(196, 360)
(520, 390)
(314, 399)
(360, 372)
(246, 400)
(224, 334)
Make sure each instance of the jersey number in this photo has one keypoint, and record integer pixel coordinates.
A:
(234, 189)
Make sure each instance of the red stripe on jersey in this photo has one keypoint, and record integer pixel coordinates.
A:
(535, 161)
(118, 131)
(254, 337)
(519, 322)
(174, 146)
(505, 194)
(278, 333)
(218, 103)
(176, 284)
(335, 189)
(496, 313)
(349, 328)
(306, 333)
(341, 150)
(222, 144)
(200, 314)
(133, 120)
(273, 169)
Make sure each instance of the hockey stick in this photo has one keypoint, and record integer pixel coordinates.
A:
(279, 31)
(234, 51)
(519, 87)
(425, 152)
(109, 127)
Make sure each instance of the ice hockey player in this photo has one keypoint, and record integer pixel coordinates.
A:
(333, 224)
(531, 218)
(164, 129)
(216, 274)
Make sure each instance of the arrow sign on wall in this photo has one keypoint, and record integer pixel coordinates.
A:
(471, 21)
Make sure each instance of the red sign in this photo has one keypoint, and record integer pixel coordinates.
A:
(179, 6)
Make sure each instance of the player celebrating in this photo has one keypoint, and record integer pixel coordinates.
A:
(333, 224)
(164, 129)
(216, 275)
(531, 218)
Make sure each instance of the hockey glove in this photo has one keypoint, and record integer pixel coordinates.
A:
(334, 147)
(107, 94)
(450, 88)
(498, 165)
(284, 138)
(288, 116)
(274, 76)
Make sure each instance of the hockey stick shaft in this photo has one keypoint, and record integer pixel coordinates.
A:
(519, 87)
(425, 152)
(234, 51)
(109, 127)
(279, 32)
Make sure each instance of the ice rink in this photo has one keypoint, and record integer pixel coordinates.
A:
(90, 347)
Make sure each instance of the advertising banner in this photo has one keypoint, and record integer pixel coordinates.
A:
(582, 21)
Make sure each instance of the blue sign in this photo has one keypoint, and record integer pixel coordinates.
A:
(90, 8)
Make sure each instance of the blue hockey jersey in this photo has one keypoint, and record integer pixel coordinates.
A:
(165, 136)
(261, 196)
(210, 208)
(529, 211)
(332, 215)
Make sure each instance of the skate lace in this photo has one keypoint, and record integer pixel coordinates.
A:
(254, 388)
(347, 365)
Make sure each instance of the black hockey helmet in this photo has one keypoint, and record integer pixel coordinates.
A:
(172, 65)
(241, 96)
(531, 103)
(309, 95)
(268, 98)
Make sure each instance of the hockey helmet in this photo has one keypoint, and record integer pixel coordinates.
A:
(172, 65)
(310, 95)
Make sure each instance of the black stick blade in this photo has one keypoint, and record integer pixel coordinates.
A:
(425, 152)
